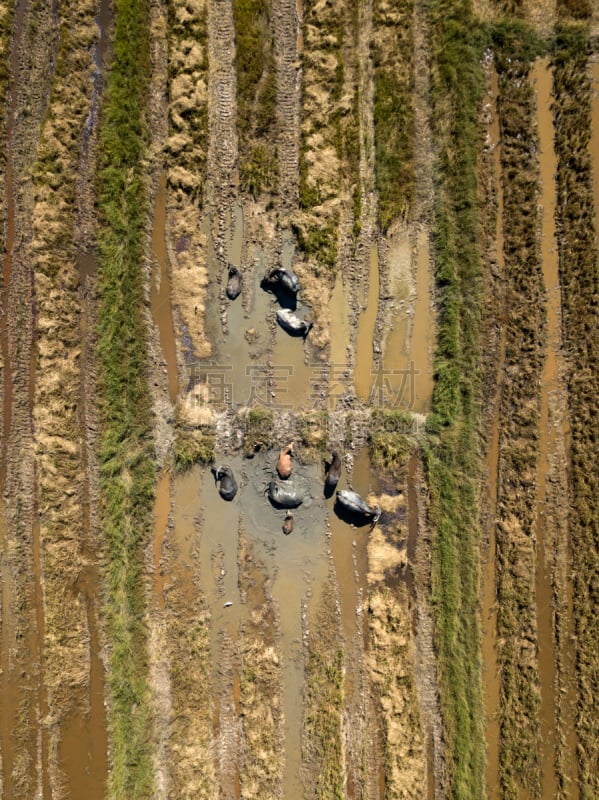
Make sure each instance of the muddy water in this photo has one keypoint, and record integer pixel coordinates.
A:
(219, 546)
(595, 139)
(186, 504)
(489, 597)
(236, 373)
(162, 507)
(161, 290)
(349, 547)
(299, 565)
(296, 564)
(340, 329)
(343, 544)
(255, 361)
(547, 434)
(409, 347)
(84, 743)
(364, 377)
(293, 373)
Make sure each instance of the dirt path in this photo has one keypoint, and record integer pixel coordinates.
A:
(286, 29)
(222, 128)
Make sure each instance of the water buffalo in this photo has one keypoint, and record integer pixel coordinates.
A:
(285, 494)
(284, 463)
(352, 502)
(228, 484)
(284, 279)
(333, 471)
(288, 523)
(292, 324)
(234, 283)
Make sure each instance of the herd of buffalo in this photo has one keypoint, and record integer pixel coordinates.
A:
(286, 492)
(285, 285)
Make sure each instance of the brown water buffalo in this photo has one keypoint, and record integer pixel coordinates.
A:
(284, 463)
(288, 523)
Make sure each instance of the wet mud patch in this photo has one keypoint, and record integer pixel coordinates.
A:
(296, 567)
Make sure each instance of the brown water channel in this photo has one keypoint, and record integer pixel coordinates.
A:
(83, 752)
(341, 371)
(365, 377)
(349, 546)
(489, 594)
(408, 366)
(547, 433)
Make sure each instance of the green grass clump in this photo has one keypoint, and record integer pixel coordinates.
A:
(517, 40)
(127, 474)
(319, 241)
(259, 170)
(313, 429)
(192, 446)
(452, 451)
(259, 430)
(389, 445)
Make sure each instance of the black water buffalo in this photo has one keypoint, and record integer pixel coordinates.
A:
(234, 283)
(293, 324)
(333, 472)
(284, 279)
(285, 494)
(355, 505)
(228, 484)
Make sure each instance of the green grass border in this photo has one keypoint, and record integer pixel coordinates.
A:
(452, 450)
(127, 475)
